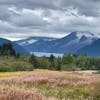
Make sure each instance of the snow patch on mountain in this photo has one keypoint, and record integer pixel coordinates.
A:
(85, 34)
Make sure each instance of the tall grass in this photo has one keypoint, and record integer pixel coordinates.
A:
(52, 85)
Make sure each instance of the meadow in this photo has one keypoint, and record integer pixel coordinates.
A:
(49, 85)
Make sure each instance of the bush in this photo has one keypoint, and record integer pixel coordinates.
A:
(5, 68)
(44, 63)
(11, 64)
(21, 66)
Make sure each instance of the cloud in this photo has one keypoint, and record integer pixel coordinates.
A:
(85, 7)
(25, 18)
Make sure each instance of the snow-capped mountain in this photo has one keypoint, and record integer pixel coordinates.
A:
(75, 42)
(68, 44)
(85, 33)
(32, 40)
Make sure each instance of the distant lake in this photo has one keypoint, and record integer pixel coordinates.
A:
(39, 54)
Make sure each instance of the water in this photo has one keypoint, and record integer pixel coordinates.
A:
(39, 54)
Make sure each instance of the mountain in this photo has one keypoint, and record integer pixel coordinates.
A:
(20, 49)
(68, 44)
(92, 49)
(16, 47)
(75, 42)
(2, 41)
(34, 39)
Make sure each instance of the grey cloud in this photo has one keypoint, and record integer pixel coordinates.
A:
(27, 20)
(87, 7)
(49, 16)
(4, 13)
(32, 4)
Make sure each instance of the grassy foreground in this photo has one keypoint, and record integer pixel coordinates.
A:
(49, 85)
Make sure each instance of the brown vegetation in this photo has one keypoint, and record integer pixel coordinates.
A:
(51, 84)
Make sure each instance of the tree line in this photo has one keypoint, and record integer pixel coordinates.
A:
(67, 62)
(12, 61)
(7, 49)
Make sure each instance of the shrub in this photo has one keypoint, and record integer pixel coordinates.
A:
(44, 63)
(21, 66)
(11, 64)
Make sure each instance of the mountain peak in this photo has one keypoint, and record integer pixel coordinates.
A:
(72, 35)
(84, 33)
(83, 38)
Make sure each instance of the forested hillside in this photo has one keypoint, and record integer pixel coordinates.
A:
(12, 61)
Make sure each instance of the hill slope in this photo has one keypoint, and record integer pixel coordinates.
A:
(91, 50)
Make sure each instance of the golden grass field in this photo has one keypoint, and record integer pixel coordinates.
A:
(49, 85)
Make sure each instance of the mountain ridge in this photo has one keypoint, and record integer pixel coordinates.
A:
(75, 42)
(70, 43)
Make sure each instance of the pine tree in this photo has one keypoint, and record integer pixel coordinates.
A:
(33, 60)
(59, 63)
(52, 61)
(7, 50)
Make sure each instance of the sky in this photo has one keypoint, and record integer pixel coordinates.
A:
(52, 18)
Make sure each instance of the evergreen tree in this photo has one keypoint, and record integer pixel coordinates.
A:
(67, 59)
(59, 63)
(52, 57)
(33, 60)
(7, 50)
(52, 61)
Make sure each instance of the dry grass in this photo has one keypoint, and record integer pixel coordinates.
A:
(52, 85)
(15, 94)
(11, 74)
